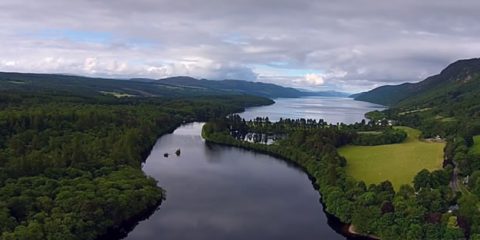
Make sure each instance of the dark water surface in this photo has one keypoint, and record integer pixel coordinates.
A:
(218, 192)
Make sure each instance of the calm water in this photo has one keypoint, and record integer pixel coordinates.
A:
(330, 109)
(217, 192)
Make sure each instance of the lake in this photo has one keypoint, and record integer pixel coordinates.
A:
(330, 109)
(218, 192)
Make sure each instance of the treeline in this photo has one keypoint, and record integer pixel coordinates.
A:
(360, 133)
(388, 136)
(70, 166)
(435, 122)
(457, 153)
(418, 212)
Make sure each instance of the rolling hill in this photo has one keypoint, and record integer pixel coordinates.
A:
(144, 87)
(235, 86)
(59, 83)
(454, 91)
(456, 75)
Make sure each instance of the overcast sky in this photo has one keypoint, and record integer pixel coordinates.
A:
(344, 45)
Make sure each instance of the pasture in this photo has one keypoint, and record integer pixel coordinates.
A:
(398, 163)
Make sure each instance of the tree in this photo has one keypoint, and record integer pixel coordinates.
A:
(363, 219)
(422, 180)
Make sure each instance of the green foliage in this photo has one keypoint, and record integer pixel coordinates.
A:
(375, 115)
(376, 209)
(78, 205)
(388, 136)
(446, 104)
(70, 164)
(475, 148)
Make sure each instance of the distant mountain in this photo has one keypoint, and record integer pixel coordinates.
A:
(235, 86)
(144, 87)
(451, 95)
(386, 95)
(255, 88)
(355, 95)
(327, 94)
(459, 78)
(32, 82)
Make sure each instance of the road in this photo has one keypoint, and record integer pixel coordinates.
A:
(454, 182)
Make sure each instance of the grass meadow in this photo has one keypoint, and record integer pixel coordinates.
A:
(398, 163)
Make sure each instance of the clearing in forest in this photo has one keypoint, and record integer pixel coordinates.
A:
(398, 163)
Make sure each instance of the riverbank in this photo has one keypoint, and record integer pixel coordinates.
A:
(121, 230)
(343, 228)
(246, 188)
(351, 231)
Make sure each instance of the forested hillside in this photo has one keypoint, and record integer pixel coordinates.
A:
(144, 87)
(57, 83)
(169, 87)
(444, 104)
(235, 86)
(456, 85)
(70, 161)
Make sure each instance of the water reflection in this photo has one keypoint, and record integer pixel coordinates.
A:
(216, 192)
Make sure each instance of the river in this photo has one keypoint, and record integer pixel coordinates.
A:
(218, 192)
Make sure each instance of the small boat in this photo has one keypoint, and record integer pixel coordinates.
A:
(165, 155)
(177, 152)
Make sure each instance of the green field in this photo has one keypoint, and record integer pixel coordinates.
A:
(475, 149)
(398, 163)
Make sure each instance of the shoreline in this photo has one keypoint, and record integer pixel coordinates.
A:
(344, 229)
(351, 230)
(122, 230)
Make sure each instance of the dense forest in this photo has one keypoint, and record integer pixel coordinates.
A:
(417, 211)
(70, 163)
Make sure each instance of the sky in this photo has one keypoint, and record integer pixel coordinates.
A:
(339, 45)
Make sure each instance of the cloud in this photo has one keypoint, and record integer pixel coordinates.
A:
(347, 45)
(312, 79)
